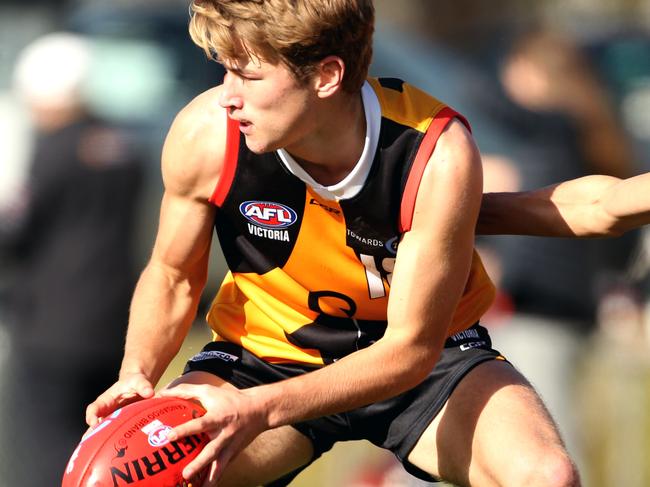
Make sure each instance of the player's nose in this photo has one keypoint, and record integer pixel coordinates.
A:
(230, 97)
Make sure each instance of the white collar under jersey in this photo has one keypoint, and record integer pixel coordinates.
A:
(349, 186)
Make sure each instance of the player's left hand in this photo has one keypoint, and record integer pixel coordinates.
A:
(232, 420)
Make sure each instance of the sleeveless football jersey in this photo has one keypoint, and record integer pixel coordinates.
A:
(310, 275)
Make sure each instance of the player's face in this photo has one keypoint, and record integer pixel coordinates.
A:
(273, 108)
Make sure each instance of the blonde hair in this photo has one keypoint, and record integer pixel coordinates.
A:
(298, 33)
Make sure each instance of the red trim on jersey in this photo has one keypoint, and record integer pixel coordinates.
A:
(229, 163)
(441, 120)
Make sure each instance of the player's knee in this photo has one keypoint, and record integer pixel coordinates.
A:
(553, 469)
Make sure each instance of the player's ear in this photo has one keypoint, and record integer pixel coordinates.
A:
(329, 76)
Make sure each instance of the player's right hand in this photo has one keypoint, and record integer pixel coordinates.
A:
(129, 388)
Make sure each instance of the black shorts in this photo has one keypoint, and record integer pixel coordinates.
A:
(395, 424)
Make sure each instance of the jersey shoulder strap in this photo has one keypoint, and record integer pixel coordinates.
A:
(428, 144)
(229, 164)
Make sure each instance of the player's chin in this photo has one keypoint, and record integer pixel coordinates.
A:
(261, 145)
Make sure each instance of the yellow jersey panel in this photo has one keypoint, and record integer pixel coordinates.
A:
(309, 278)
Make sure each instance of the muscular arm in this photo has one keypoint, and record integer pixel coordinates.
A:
(420, 310)
(165, 300)
(167, 294)
(591, 206)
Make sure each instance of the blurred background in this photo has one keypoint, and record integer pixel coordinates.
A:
(553, 90)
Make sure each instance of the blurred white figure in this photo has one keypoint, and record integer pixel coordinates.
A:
(65, 237)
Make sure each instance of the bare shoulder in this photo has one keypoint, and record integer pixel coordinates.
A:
(456, 145)
(452, 183)
(455, 164)
(194, 148)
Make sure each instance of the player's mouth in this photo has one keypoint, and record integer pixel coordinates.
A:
(245, 127)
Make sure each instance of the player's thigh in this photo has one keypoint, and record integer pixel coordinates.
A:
(270, 456)
(494, 430)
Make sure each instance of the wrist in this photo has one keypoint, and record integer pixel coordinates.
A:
(130, 369)
(265, 407)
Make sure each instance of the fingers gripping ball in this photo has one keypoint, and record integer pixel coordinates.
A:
(130, 447)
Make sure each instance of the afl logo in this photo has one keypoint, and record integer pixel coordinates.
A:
(158, 437)
(268, 214)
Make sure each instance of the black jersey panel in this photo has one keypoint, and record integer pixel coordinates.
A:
(259, 222)
(392, 83)
(336, 337)
(396, 143)
(372, 216)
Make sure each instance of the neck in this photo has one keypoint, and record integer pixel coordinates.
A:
(332, 151)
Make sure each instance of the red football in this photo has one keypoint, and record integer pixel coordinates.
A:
(130, 447)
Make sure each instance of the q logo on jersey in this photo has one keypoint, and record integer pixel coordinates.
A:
(268, 214)
(391, 245)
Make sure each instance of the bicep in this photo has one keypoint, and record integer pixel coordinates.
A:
(184, 234)
(191, 163)
(191, 166)
(434, 257)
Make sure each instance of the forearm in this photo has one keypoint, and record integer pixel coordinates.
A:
(523, 213)
(162, 311)
(575, 208)
(385, 369)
